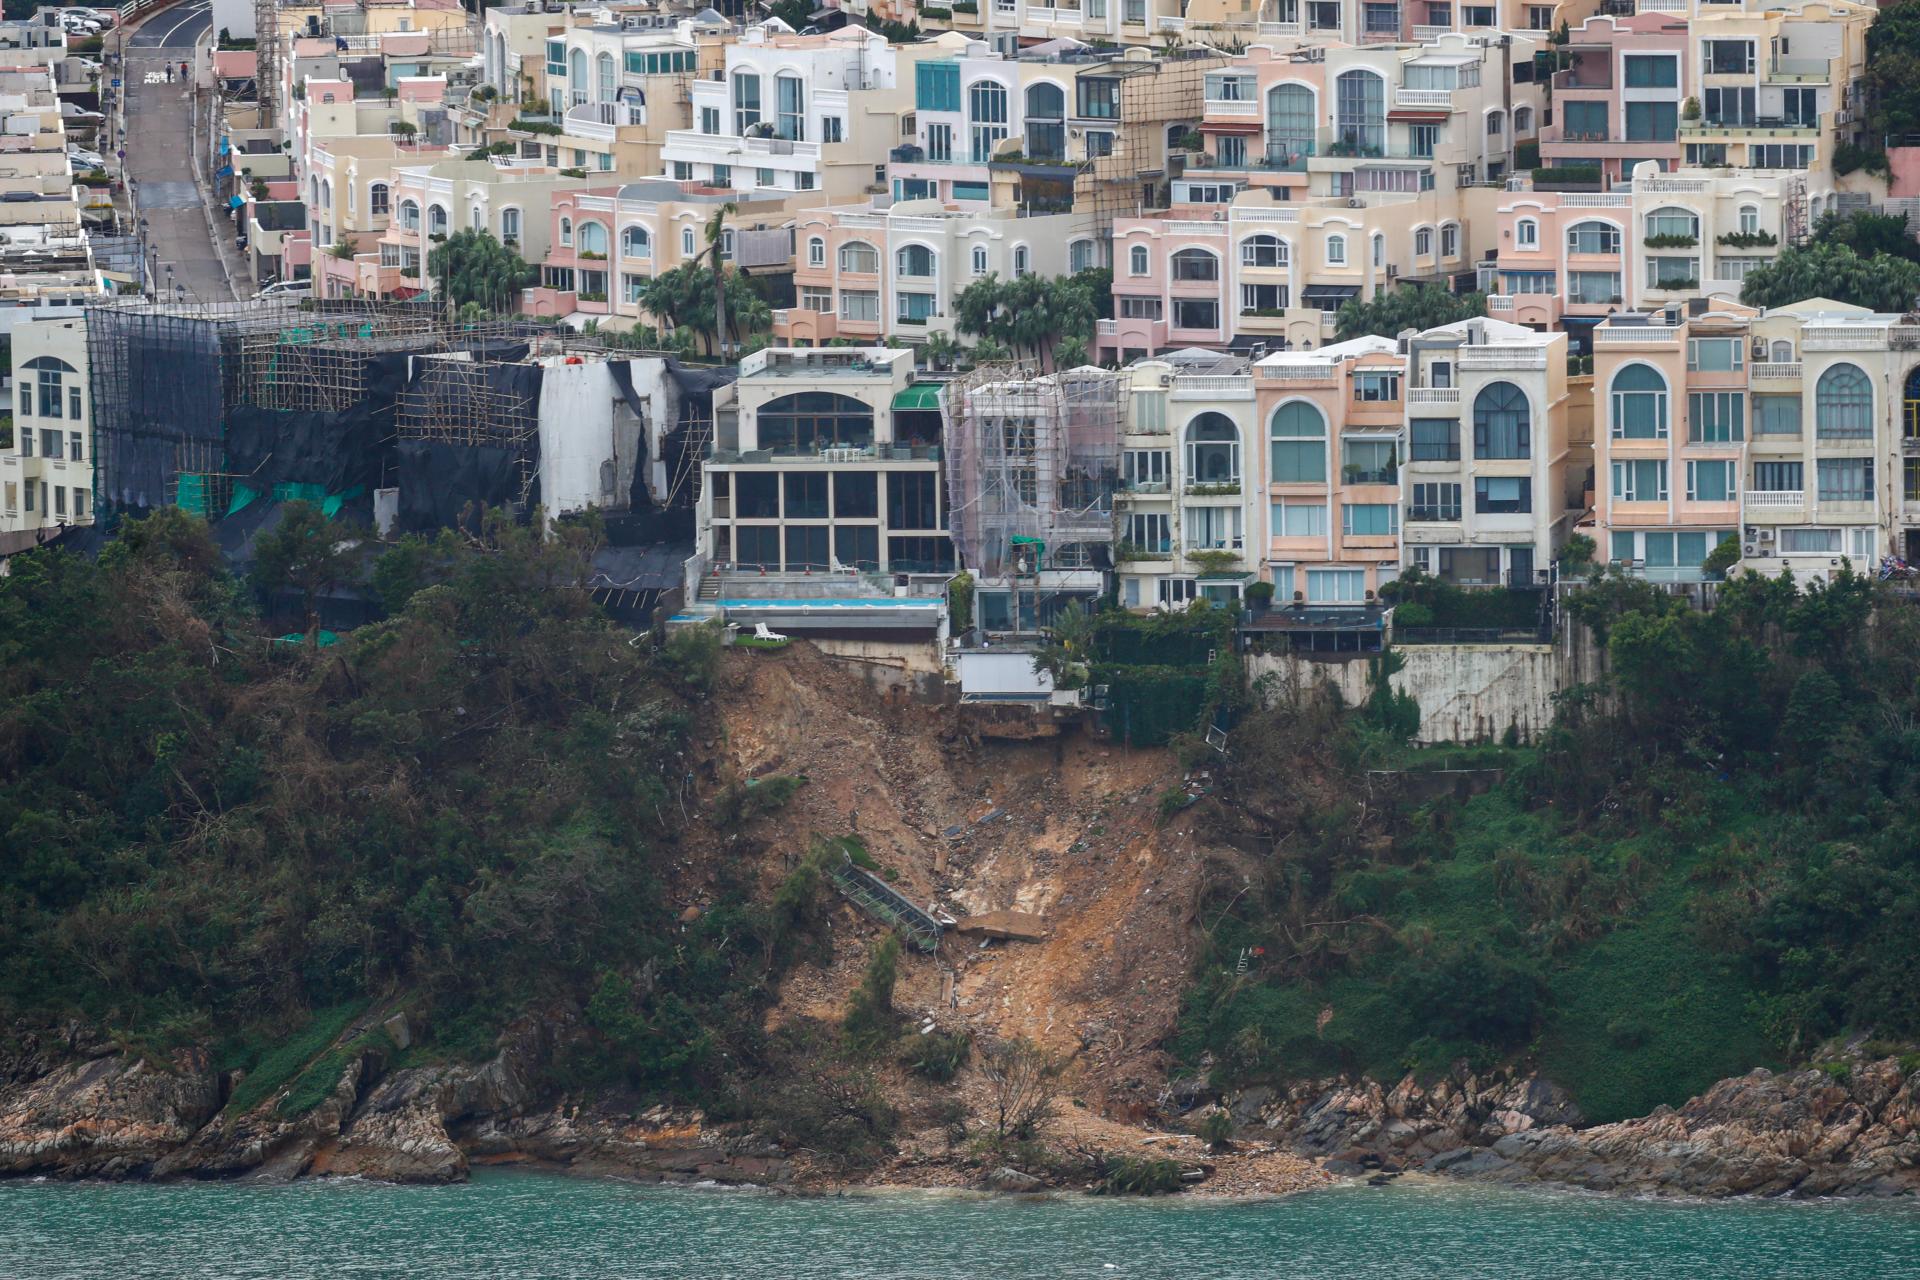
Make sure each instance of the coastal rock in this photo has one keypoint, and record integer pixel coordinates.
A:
(1007, 1178)
(111, 1116)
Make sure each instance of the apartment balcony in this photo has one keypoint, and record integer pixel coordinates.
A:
(1212, 386)
(1434, 397)
(1774, 501)
(1423, 98)
(1503, 357)
(1424, 33)
(1230, 108)
(602, 121)
(1300, 375)
(1776, 371)
(1592, 73)
(1799, 71)
(1211, 489)
(1285, 30)
(1844, 337)
(1747, 129)
(1637, 335)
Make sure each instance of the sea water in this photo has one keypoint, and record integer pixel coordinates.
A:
(529, 1225)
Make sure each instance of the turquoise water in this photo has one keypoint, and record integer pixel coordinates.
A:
(528, 1225)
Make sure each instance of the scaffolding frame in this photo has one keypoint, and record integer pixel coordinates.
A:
(1030, 457)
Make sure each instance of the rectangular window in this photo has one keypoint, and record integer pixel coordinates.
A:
(1139, 308)
(1196, 313)
(813, 298)
(1422, 139)
(1097, 98)
(1711, 481)
(1583, 122)
(1779, 477)
(1503, 495)
(1144, 469)
(1776, 415)
(1300, 461)
(1593, 288)
(73, 444)
(936, 86)
(1369, 462)
(1262, 299)
(1150, 531)
(1149, 411)
(1376, 388)
(856, 304)
(1435, 440)
(1845, 479)
(1435, 502)
(1652, 121)
(1212, 528)
(1300, 519)
(633, 286)
(1716, 355)
(1336, 586)
(1369, 519)
(1644, 71)
(1716, 417)
(940, 142)
(1228, 87)
(49, 444)
(1810, 542)
(1640, 481)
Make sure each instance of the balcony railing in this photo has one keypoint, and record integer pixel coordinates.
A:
(1432, 514)
(1423, 97)
(1774, 499)
(1503, 358)
(1749, 128)
(1433, 395)
(1232, 107)
(1607, 335)
(1777, 371)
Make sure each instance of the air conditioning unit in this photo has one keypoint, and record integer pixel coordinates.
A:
(1166, 379)
(1766, 535)
(1392, 270)
(1748, 549)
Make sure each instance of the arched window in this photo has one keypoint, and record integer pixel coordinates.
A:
(1782, 351)
(1496, 124)
(577, 75)
(436, 220)
(313, 191)
(566, 232)
(686, 242)
(350, 197)
(1843, 404)
(1502, 422)
(1195, 264)
(1360, 112)
(48, 375)
(1593, 237)
(1523, 119)
(636, 243)
(987, 107)
(1379, 243)
(1676, 226)
(1046, 122)
(604, 79)
(859, 256)
(1526, 234)
(1263, 251)
(409, 215)
(1213, 450)
(378, 200)
(1290, 123)
(1749, 219)
(1137, 260)
(816, 252)
(1423, 242)
(979, 259)
(1336, 250)
(1022, 260)
(1299, 444)
(476, 218)
(592, 238)
(509, 226)
(326, 193)
(1450, 240)
(915, 261)
(1080, 256)
(1639, 404)
(810, 421)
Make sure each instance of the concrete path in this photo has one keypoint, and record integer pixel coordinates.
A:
(159, 132)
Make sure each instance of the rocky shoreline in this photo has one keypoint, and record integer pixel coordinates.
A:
(99, 1112)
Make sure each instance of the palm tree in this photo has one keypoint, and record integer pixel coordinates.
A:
(716, 233)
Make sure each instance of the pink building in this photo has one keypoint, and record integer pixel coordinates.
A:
(1620, 101)
(1562, 259)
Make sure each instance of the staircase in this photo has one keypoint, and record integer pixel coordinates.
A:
(709, 587)
(887, 905)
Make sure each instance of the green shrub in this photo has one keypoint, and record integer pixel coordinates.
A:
(937, 1055)
(742, 802)
(1140, 1176)
(274, 1069)
(1216, 1127)
(870, 1020)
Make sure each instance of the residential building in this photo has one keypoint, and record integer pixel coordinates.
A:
(868, 273)
(1189, 511)
(46, 478)
(825, 460)
(606, 244)
(798, 113)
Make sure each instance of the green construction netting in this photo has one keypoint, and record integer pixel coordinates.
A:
(194, 492)
(243, 496)
(322, 640)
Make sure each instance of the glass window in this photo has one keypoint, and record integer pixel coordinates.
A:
(1593, 237)
(1336, 586)
(790, 98)
(1299, 444)
(1779, 477)
(808, 421)
(1360, 112)
(1502, 495)
(1263, 251)
(1583, 121)
(915, 260)
(1336, 250)
(746, 101)
(1716, 355)
(1149, 411)
(1673, 224)
(1643, 71)
(1435, 502)
(1845, 479)
(859, 256)
(1716, 417)
(1196, 313)
(1843, 404)
(1375, 388)
(1435, 440)
(1290, 123)
(1213, 450)
(1711, 481)
(1137, 260)
(1300, 519)
(1369, 462)
(1776, 415)
(936, 86)
(1502, 423)
(1195, 264)
(1652, 121)
(1369, 519)
(1640, 481)
(1639, 404)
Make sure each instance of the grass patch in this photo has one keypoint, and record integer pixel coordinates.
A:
(270, 1070)
(316, 1083)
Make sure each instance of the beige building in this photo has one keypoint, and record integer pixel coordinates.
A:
(46, 478)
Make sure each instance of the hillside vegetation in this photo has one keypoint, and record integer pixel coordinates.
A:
(214, 836)
(1709, 864)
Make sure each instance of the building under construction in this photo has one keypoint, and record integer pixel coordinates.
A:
(389, 410)
(1032, 465)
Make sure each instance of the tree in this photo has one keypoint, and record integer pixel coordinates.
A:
(683, 299)
(870, 1020)
(1868, 233)
(795, 13)
(1029, 313)
(303, 552)
(1835, 271)
(1391, 313)
(473, 267)
(1024, 1082)
(1892, 75)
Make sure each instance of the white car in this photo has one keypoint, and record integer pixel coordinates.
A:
(287, 289)
(85, 159)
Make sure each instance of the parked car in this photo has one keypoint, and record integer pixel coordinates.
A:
(83, 159)
(287, 289)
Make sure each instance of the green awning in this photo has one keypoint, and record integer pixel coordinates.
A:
(921, 395)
